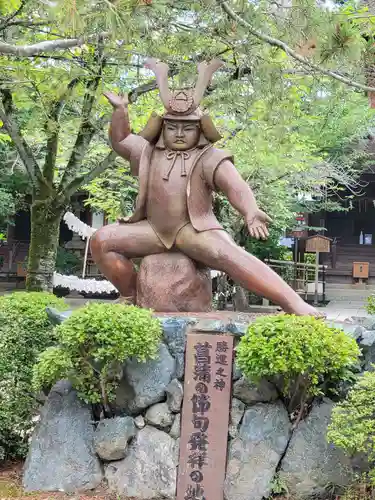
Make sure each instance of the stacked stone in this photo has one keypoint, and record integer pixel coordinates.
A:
(136, 453)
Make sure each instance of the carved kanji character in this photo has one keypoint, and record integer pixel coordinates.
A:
(200, 423)
(194, 493)
(196, 476)
(220, 372)
(197, 459)
(222, 359)
(201, 388)
(201, 403)
(219, 384)
(198, 441)
(222, 346)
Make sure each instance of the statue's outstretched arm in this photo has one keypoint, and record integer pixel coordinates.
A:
(120, 124)
(228, 180)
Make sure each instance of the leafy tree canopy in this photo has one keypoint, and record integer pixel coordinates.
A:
(290, 101)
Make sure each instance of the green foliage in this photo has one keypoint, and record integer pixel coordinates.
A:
(7, 206)
(278, 486)
(302, 353)
(67, 262)
(370, 306)
(113, 194)
(14, 184)
(291, 130)
(6, 6)
(93, 344)
(25, 331)
(353, 425)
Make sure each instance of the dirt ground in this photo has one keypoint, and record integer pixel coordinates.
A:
(11, 487)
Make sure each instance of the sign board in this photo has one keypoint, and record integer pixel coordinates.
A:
(21, 269)
(205, 417)
(318, 244)
(299, 231)
(360, 270)
(300, 218)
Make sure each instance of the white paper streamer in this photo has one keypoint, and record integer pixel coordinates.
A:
(83, 285)
(77, 226)
(214, 274)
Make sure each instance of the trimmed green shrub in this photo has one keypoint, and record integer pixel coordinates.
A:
(300, 354)
(353, 423)
(93, 343)
(25, 331)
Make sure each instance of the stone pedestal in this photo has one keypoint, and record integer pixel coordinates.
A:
(171, 282)
(263, 447)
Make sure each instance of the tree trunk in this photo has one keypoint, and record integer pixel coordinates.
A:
(45, 230)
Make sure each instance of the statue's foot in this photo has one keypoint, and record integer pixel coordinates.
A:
(125, 301)
(305, 309)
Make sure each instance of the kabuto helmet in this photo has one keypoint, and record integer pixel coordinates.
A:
(182, 105)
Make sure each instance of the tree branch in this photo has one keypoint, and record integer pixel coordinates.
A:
(95, 172)
(52, 128)
(289, 51)
(24, 150)
(26, 24)
(147, 87)
(73, 60)
(47, 46)
(8, 20)
(142, 89)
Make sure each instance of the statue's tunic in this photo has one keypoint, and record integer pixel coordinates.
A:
(166, 208)
(175, 188)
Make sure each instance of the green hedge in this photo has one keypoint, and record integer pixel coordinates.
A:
(25, 331)
(353, 421)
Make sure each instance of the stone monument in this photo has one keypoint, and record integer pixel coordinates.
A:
(174, 229)
(177, 409)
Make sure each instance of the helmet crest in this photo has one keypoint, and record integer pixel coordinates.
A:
(182, 102)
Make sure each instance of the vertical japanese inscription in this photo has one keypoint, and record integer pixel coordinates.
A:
(205, 417)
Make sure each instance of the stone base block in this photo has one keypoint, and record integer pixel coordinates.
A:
(171, 282)
(139, 453)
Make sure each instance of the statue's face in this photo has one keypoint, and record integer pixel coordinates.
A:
(180, 135)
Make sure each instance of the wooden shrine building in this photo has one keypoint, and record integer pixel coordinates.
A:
(353, 236)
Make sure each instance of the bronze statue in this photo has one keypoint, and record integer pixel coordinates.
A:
(178, 170)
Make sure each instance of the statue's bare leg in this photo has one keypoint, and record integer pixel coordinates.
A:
(217, 250)
(114, 245)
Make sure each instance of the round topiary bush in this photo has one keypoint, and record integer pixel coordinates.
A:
(25, 331)
(93, 344)
(301, 354)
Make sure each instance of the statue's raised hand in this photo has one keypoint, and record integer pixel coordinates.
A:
(117, 101)
(258, 225)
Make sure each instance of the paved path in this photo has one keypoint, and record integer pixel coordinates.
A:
(340, 311)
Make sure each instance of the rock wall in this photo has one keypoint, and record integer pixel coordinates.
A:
(136, 453)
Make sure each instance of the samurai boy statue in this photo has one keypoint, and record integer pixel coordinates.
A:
(178, 170)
